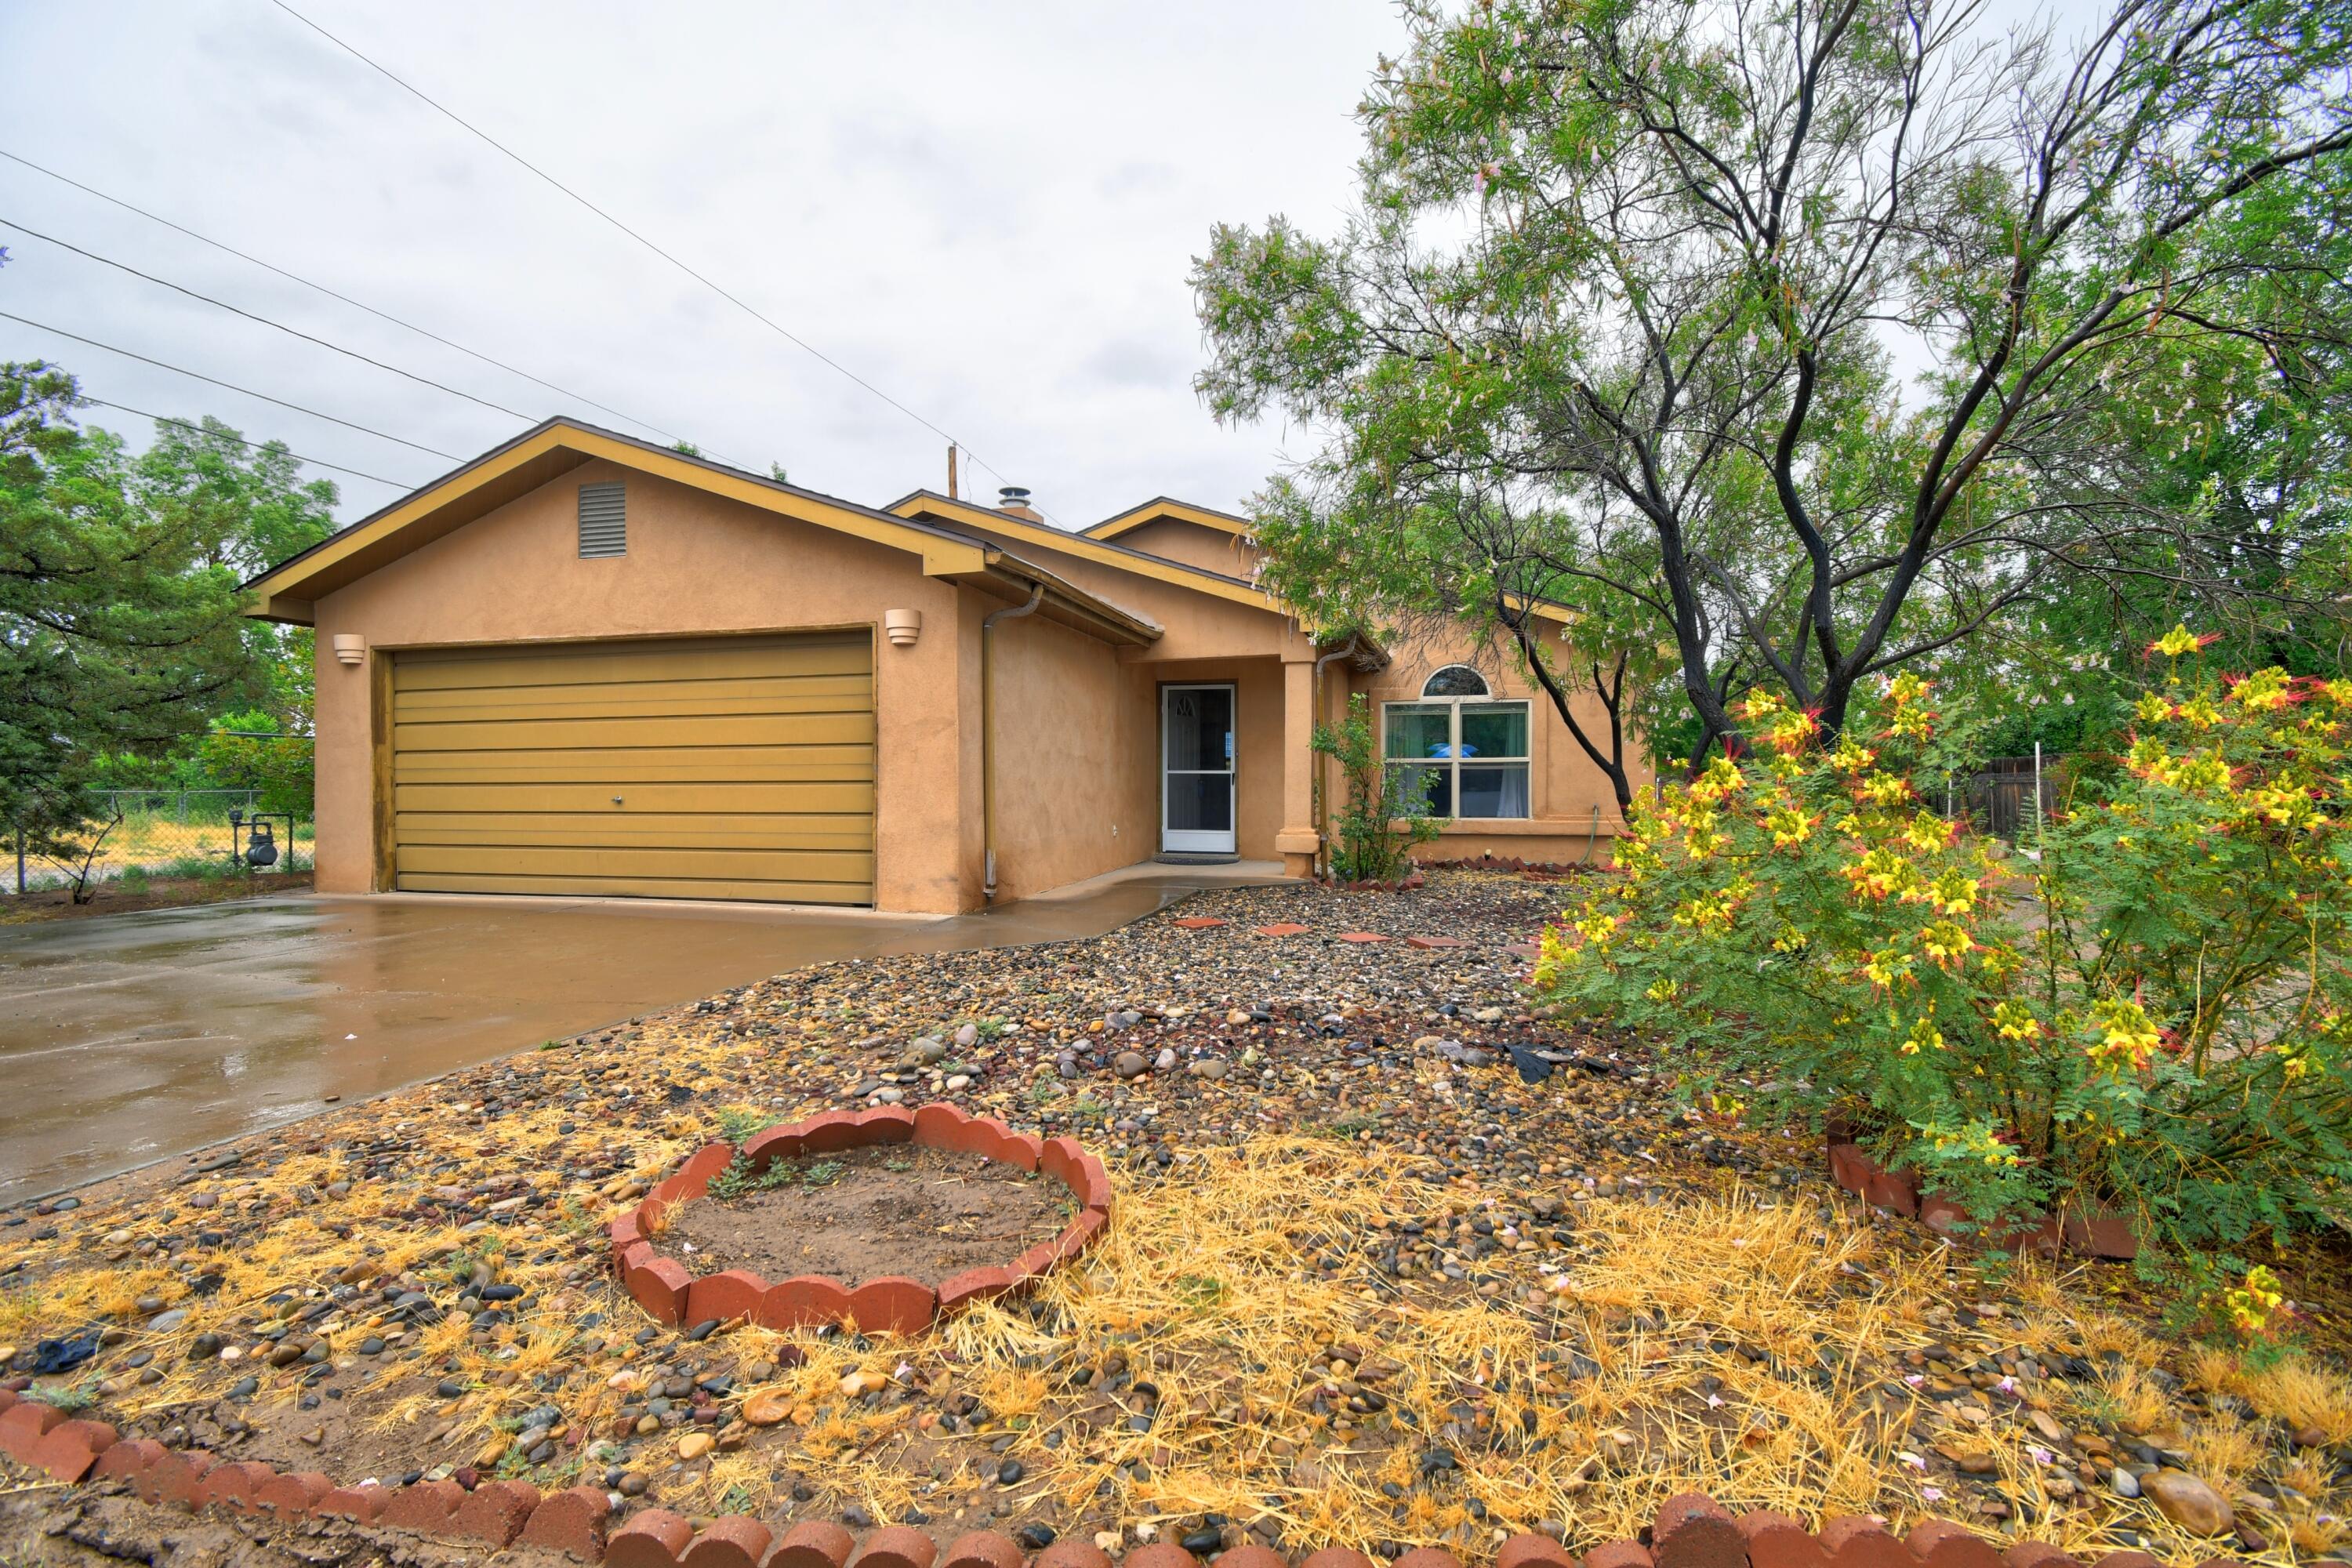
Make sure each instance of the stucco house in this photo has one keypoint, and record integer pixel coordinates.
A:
(585, 665)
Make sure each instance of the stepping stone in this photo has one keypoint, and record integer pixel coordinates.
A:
(1523, 949)
(1281, 927)
(1199, 922)
(1362, 936)
(1435, 941)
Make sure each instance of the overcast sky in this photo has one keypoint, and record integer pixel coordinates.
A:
(986, 211)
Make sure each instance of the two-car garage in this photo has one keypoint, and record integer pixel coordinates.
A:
(737, 767)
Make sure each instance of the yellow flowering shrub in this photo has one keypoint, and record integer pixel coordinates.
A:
(2148, 1012)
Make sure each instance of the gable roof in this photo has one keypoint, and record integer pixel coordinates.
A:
(1170, 508)
(286, 591)
(959, 515)
(1365, 654)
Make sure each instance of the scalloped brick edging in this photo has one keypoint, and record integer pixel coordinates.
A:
(1545, 869)
(2106, 1235)
(494, 1514)
(1690, 1530)
(895, 1304)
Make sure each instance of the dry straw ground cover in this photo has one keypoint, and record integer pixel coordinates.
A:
(1368, 1284)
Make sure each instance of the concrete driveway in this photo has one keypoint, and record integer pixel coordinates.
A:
(127, 1038)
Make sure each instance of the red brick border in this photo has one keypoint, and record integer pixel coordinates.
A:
(673, 1296)
(2107, 1234)
(1690, 1530)
(1546, 868)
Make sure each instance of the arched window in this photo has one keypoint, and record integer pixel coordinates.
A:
(1458, 752)
(1455, 680)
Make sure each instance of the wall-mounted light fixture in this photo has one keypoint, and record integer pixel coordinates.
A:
(903, 626)
(349, 646)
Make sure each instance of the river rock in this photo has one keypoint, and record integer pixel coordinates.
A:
(2190, 1502)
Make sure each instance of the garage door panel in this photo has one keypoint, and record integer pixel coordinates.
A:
(711, 660)
(615, 829)
(651, 764)
(522, 799)
(741, 864)
(744, 767)
(712, 730)
(846, 893)
(817, 694)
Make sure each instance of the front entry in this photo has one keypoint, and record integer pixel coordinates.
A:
(1196, 769)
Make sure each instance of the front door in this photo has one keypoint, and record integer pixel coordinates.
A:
(1196, 762)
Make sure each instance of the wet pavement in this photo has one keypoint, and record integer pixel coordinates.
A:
(128, 1038)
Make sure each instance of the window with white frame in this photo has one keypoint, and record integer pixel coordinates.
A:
(1458, 749)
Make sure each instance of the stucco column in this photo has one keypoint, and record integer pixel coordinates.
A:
(1297, 843)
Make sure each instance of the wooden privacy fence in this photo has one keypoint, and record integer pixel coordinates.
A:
(2000, 798)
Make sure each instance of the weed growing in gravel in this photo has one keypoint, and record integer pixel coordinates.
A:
(740, 1177)
(72, 1400)
(737, 1123)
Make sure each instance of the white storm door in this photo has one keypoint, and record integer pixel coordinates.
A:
(1196, 769)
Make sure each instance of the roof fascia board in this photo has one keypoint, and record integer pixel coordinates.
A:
(1013, 580)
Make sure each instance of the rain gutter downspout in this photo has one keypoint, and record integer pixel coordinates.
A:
(987, 735)
(1322, 850)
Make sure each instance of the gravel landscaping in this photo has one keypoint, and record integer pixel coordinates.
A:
(1392, 1263)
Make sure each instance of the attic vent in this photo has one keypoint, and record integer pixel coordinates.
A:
(603, 522)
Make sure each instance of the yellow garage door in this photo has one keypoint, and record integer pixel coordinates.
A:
(719, 768)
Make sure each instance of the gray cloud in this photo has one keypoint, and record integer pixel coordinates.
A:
(987, 211)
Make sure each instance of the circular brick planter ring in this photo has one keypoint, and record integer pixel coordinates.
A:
(895, 1304)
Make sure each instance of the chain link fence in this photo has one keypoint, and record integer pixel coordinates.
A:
(144, 834)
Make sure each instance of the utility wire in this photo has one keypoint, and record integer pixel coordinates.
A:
(248, 315)
(199, 375)
(253, 446)
(766, 322)
(346, 298)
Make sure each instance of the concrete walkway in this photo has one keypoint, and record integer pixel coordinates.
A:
(127, 1038)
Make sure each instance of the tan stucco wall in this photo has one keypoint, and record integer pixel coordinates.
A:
(1208, 548)
(1074, 773)
(697, 564)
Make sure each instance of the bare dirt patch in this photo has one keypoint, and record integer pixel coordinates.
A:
(866, 1213)
(111, 898)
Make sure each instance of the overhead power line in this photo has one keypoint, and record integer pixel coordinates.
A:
(345, 299)
(252, 446)
(230, 386)
(767, 321)
(280, 326)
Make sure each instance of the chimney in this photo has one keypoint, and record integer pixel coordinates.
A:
(1014, 500)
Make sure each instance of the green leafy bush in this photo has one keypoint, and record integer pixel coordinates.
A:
(2151, 1017)
(1367, 843)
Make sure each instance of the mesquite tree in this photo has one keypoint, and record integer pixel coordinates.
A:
(1810, 336)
